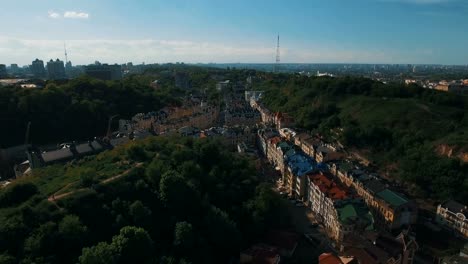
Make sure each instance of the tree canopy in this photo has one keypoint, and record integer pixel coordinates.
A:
(191, 201)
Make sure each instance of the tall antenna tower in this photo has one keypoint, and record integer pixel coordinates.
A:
(277, 55)
(66, 55)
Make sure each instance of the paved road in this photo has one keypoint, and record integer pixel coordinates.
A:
(307, 251)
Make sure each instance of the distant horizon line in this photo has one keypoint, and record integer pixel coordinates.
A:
(255, 63)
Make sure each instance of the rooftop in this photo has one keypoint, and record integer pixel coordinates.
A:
(345, 166)
(275, 140)
(57, 155)
(300, 164)
(329, 258)
(350, 211)
(374, 186)
(330, 188)
(455, 207)
(392, 198)
(284, 146)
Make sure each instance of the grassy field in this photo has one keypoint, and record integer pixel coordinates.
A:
(62, 178)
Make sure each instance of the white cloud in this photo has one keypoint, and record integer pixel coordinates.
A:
(23, 51)
(74, 14)
(54, 15)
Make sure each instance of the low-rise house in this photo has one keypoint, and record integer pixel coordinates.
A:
(89, 148)
(381, 249)
(39, 159)
(454, 216)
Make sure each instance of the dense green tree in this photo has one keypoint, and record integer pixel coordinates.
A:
(132, 244)
(7, 259)
(102, 253)
(184, 237)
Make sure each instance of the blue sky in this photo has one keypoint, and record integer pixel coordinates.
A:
(311, 31)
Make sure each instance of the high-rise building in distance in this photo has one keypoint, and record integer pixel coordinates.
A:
(37, 69)
(14, 69)
(56, 69)
(3, 71)
(104, 71)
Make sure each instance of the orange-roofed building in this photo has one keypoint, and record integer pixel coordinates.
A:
(335, 206)
(329, 258)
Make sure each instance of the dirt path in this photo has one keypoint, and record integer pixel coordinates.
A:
(54, 197)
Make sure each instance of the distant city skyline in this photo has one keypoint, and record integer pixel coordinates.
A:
(204, 31)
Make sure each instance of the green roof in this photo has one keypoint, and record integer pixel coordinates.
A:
(350, 210)
(284, 146)
(345, 166)
(346, 212)
(290, 152)
(392, 198)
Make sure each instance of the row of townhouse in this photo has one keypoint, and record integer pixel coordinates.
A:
(193, 112)
(278, 119)
(202, 119)
(393, 210)
(244, 117)
(267, 117)
(342, 212)
(317, 149)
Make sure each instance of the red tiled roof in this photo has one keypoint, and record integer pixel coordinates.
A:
(330, 188)
(329, 258)
(274, 140)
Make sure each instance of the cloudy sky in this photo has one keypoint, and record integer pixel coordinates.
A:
(311, 31)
